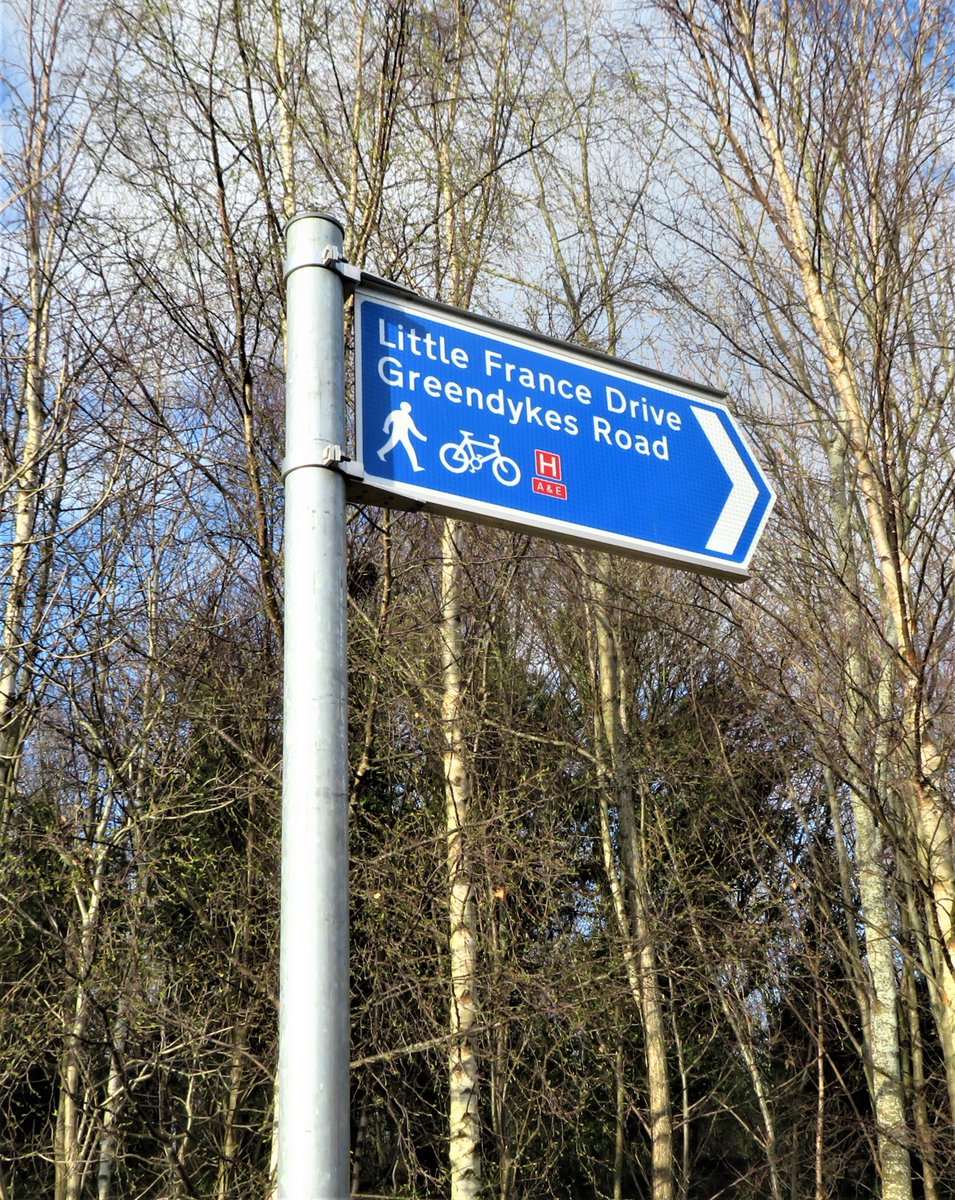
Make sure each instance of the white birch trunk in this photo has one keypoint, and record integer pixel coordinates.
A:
(70, 1147)
(112, 1107)
(464, 1121)
(881, 1020)
(24, 482)
(626, 877)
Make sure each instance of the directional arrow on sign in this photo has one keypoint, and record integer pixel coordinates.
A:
(463, 415)
(744, 493)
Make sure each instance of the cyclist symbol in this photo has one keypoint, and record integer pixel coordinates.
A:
(465, 456)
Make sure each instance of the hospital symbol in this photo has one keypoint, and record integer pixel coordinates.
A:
(400, 427)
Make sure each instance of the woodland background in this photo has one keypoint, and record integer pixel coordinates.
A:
(652, 876)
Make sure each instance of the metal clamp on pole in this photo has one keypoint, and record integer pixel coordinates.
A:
(331, 257)
(313, 1108)
(331, 458)
(337, 262)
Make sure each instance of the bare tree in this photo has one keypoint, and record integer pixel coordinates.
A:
(827, 134)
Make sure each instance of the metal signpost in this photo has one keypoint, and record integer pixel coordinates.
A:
(472, 417)
(461, 415)
(313, 1100)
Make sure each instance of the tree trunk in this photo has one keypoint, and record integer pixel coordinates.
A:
(230, 1114)
(464, 1116)
(881, 1020)
(626, 874)
(15, 651)
(918, 1082)
(111, 1110)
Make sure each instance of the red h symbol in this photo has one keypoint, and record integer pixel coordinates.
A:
(548, 465)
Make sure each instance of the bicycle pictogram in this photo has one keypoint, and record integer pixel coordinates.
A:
(466, 455)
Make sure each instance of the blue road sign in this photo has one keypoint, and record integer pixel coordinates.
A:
(467, 416)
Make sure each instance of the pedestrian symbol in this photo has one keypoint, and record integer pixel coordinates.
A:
(401, 427)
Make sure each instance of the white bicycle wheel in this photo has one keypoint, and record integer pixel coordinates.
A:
(506, 471)
(454, 457)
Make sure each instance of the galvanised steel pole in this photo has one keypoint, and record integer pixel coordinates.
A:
(313, 1116)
